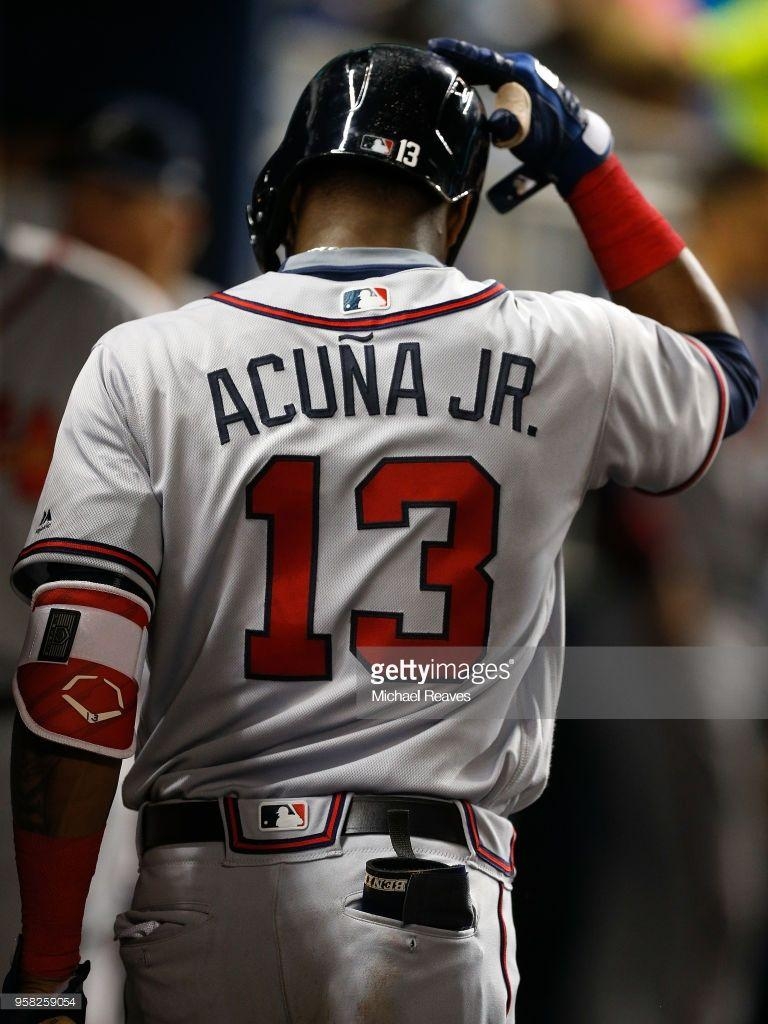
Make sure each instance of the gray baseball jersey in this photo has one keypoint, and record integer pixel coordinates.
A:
(364, 450)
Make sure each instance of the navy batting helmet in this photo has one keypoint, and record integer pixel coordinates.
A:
(395, 105)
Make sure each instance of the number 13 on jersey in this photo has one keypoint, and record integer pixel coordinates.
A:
(286, 494)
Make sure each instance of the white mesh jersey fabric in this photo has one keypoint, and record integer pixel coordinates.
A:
(146, 478)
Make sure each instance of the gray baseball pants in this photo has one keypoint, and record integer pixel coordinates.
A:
(285, 943)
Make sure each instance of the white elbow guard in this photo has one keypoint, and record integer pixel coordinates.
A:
(77, 681)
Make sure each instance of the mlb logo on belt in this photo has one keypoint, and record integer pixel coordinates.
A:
(358, 300)
(282, 817)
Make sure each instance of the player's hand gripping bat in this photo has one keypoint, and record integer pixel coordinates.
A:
(537, 117)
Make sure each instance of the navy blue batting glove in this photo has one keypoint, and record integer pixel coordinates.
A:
(565, 141)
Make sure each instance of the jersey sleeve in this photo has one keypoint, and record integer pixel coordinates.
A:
(97, 517)
(666, 408)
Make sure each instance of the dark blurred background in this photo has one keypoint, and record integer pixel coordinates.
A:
(130, 139)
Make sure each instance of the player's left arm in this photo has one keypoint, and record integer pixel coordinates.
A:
(645, 264)
(682, 296)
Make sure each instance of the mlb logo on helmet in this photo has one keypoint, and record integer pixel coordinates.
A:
(282, 817)
(357, 300)
(377, 144)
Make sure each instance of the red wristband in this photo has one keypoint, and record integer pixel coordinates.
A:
(628, 237)
(54, 877)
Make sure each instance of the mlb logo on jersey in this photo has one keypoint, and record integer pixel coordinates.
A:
(282, 817)
(377, 144)
(358, 300)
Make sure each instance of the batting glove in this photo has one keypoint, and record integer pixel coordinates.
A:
(565, 141)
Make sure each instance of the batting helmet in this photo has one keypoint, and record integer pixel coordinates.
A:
(396, 105)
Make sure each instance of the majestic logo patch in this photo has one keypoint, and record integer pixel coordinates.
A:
(377, 144)
(285, 817)
(45, 521)
(357, 300)
(60, 632)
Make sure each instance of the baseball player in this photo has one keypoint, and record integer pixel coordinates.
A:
(361, 461)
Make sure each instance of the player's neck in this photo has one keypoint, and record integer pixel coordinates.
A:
(367, 240)
(370, 231)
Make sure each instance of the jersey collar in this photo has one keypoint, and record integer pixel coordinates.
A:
(353, 264)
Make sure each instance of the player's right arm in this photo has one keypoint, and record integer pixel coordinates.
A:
(61, 797)
(645, 264)
(89, 571)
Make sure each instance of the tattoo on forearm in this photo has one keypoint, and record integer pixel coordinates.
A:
(58, 790)
(31, 767)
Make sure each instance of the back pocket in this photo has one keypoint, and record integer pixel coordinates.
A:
(387, 971)
(170, 971)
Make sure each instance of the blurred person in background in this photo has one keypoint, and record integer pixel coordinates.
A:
(135, 191)
(133, 224)
(711, 583)
(50, 311)
(709, 586)
(689, 572)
